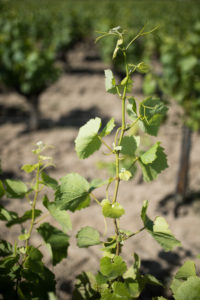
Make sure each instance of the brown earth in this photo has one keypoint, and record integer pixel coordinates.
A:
(65, 106)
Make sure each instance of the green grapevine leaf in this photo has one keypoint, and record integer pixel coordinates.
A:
(110, 84)
(2, 191)
(151, 113)
(49, 181)
(57, 241)
(108, 128)
(23, 237)
(96, 183)
(29, 168)
(87, 141)
(112, 268)
(85, 287)
(132, 104)
(87, 237)
(5, 248)
(15, 188)
(131, 109)
(150, 155)
(150, 107)
(159, 229)
(190, 289)
(72, 193)
(6, 215)
(151, 170)
(142, 67)
(60, 216)
(109, 210)
(26, 216)
(129, 145)
(121, 291)
(187, 270)
(150, 279)
(42, 279)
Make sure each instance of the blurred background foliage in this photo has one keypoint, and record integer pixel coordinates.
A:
(34, 34)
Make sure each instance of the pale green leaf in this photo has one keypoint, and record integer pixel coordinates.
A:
(108, 128)
(49, 181)
(57, 241)
(112, 268)
(120, 290)
(189, 290)
(87, 237)
(186, 271)
(15, 188)
(87, 141)
(125, 175)
(23, 237)
(114, 210)
(150, 155)
(150, 171)
(60, 216)
(110, 84)
(29, 168)
(159, 229)
(72, 193)
(6, 215)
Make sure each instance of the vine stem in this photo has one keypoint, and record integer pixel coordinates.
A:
(123, 127)
(33, 207)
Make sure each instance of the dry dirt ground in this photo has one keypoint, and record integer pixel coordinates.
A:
(65, 106)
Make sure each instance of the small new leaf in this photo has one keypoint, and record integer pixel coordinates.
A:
(87, 237)
(87, 141)
(109, 210)
(29, 168)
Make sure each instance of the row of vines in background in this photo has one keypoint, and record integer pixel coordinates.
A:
(34, 36)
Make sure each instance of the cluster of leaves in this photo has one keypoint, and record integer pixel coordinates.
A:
(23, 273)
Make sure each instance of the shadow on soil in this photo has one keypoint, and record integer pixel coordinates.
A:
(169, 203)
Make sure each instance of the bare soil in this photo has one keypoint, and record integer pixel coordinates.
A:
(78, 96)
